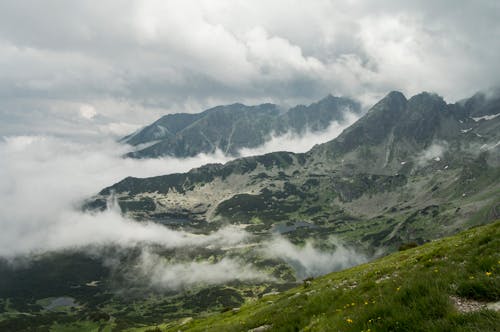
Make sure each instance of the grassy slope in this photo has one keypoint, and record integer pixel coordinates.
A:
(406, 291)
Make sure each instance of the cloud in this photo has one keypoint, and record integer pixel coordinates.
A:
(43, 180)
(309, 261)
(134, 61)
(174, 276)
(301, 143)
(88, 112)
(434, 152)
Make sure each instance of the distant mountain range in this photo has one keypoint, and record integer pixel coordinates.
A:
(233, 127)
(408, 170)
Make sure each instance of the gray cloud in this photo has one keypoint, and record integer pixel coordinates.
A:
(134, 60)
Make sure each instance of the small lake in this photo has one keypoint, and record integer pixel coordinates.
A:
(61, 302)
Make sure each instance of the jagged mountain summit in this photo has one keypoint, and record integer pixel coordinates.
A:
(408, 170)
(233, 127)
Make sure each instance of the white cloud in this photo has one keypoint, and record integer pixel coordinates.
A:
(88, 112)
(167, 275)
(434, 152)
(309, 261)
(43, 180)
(301, 143)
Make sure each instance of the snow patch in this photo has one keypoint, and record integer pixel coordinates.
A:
(486, 117)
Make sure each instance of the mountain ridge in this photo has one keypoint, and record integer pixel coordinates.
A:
(230, 128)
(418, 153)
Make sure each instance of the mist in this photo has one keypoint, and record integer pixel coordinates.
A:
(294, 142)
(309, 261)
(43, 181)
(434, 152)
(163, 274)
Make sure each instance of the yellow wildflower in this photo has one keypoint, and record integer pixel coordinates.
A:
(488, 274)
(349, 320)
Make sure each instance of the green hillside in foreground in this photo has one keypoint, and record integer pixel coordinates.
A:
(451, 284)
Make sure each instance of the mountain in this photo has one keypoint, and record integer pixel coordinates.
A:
(233, 127)
(408, 170)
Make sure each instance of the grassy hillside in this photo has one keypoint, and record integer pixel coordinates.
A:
(451, 284)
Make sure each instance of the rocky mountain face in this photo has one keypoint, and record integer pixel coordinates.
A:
(408, 171)
(233, 127)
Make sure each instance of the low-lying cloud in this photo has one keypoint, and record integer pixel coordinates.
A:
(43, 181)
(164, 274)
(309, 261)
(434, 152)
(304, 142)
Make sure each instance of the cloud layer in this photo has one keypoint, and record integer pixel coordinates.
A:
(109, 67)
(43, 180)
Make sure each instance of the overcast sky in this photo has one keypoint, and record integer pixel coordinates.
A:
(105, 67)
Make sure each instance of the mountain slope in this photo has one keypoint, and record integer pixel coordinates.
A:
(452, 284)
(233, 127)
(409, 170)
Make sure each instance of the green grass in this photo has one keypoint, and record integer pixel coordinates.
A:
(406, 291)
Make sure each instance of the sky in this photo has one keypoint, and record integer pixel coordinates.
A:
(90, 69)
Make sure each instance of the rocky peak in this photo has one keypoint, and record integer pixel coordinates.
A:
(393, 101)
(426, 102)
